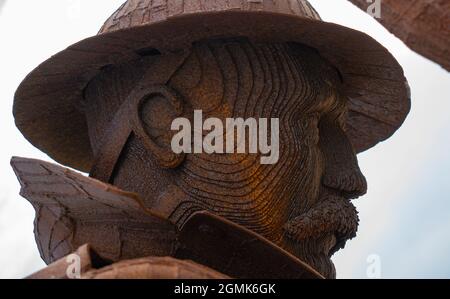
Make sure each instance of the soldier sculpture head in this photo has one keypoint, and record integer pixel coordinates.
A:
(318, 79)
(316, 173)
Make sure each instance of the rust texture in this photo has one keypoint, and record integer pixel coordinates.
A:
(105, 106)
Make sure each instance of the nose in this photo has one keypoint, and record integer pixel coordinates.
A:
(341, 169)
(348, 183)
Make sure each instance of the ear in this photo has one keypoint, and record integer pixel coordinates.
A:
(152, 109)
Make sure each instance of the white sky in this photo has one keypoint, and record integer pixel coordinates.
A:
(404, 217)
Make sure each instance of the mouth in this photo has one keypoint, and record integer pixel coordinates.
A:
(323, 230)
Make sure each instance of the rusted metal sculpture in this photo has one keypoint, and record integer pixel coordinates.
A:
(105, 106)
(423, 25)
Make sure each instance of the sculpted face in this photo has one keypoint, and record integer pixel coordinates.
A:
(301, 203)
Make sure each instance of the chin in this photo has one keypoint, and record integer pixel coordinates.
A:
(316, 252)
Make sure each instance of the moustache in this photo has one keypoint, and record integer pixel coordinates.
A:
(333, 215)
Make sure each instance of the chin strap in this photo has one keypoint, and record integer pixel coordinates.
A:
(121, 127)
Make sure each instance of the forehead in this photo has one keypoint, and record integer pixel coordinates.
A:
(226, 68)
(229, 69)
(306, 59)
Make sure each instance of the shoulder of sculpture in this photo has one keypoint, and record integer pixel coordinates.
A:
(72, 209)
(45, 183)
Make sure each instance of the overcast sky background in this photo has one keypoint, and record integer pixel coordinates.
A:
(404, 217)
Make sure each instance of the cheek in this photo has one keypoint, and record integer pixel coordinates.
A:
(310, 144)
(302, 136)
(306, 158)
